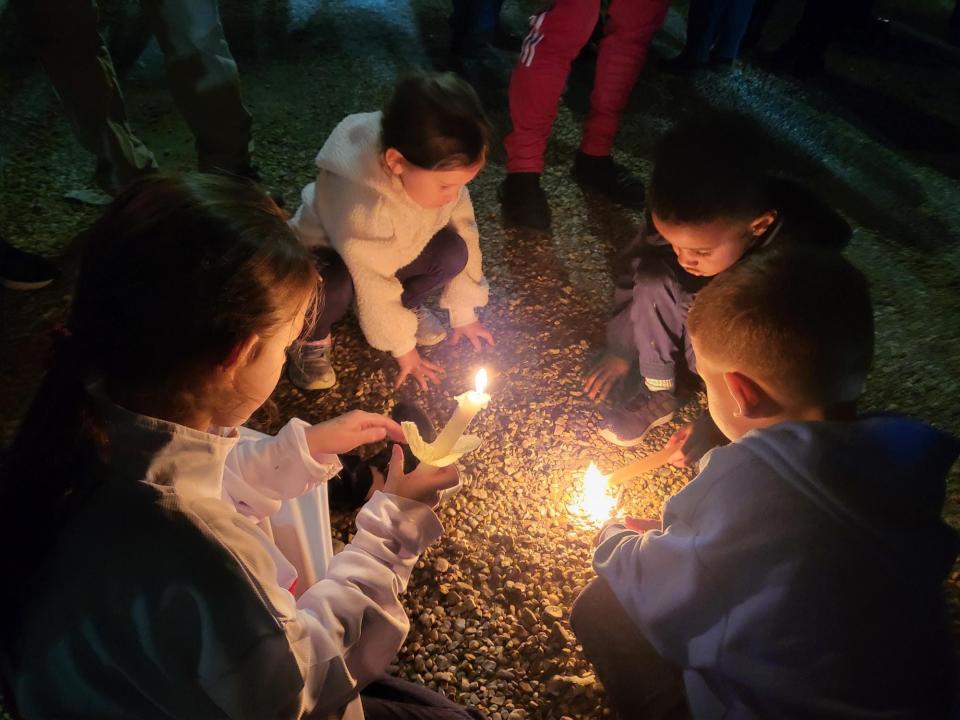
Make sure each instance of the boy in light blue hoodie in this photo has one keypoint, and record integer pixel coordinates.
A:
(800, 574)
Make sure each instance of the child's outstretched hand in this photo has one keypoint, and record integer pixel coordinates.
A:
(424, 484)
(347, 432)
(604, 376)
(474, 332)
(421, 369)
(640, 525)
(694, 440)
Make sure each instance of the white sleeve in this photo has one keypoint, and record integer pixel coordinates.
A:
(468, 290)
(309, 657)
(355, 610)
(305, 222)
(263, 470)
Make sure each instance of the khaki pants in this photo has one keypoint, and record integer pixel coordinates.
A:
(200, 70)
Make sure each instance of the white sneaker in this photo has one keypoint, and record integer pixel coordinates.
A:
(430, 330)
(310, 365)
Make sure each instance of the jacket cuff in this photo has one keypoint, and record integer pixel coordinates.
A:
(462, 316)
(323, 466)
(404, 351)
(414, 525)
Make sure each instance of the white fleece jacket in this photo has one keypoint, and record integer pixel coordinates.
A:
(360, 209)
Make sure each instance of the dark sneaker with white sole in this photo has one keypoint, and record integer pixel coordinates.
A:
(310, 365)
(626, 425)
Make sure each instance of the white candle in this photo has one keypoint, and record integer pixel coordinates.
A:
(468, 405)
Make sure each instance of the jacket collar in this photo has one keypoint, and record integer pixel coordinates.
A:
(164, 453)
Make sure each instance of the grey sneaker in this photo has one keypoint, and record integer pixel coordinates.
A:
(310, 366)
(430, 331)
(626, 425)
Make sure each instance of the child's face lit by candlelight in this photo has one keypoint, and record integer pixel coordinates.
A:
(430, 189)
(709, 248)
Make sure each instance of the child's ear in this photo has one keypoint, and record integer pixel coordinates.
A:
(753, 402)
(394, 160)
(761, 224)
(240, 354)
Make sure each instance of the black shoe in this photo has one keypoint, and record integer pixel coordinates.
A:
(721, 64)
(600, 174)
(794, 58)
(680, 64)
(523, 202)
(20, 270)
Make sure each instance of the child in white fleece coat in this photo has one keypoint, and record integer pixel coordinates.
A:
(391, 220)
(150, 582)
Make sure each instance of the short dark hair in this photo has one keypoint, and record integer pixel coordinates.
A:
(436, 121)
(798, 317)
(709, 168)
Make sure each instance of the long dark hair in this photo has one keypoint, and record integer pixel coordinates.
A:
(176, 273)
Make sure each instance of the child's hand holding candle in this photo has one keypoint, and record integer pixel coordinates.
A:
(451, 443)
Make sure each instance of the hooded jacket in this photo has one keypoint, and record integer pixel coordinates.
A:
(360, 209)
(800, 574)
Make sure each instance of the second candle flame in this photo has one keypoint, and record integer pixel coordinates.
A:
(596, 503)
(480, 381)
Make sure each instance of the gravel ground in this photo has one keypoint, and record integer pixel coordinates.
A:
(489, 604)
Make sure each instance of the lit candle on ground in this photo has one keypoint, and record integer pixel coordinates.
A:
(451, 443)
(596, 502)
(468, 405)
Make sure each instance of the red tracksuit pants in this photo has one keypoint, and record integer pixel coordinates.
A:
(555, 39)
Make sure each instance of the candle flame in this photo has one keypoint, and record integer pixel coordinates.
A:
(596, 501)
(481, 380)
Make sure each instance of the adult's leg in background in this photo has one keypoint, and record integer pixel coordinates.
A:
(68, 41)
(204, 81)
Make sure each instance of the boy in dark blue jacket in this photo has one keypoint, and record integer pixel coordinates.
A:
(800, 574)
(711, 202)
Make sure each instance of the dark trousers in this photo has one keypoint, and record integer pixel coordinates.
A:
(201, 73)
(638, 681)
(474, 19)
(441, 260)
(662, 295)
(717, 27)
(390, 698)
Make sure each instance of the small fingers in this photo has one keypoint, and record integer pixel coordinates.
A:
(370, 435)
(395, 470)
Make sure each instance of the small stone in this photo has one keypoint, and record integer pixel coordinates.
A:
(551, 613)
(559, 635)
(441, 565)
(527, 618)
